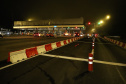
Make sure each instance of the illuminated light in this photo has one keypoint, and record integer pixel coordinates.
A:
(90, 57)
(90, 62)
(68, 27)
(29, 19)
(83, 27)
(76, 27)
(55, 26)
(101, 21)
(108, 17)
(89, 23)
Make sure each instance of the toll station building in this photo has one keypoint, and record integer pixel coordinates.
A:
(56, 26)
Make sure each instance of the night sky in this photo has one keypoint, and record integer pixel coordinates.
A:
(90, 10)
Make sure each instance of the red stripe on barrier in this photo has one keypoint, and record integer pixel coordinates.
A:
(123, 45)
(64, 42)
(31, 52)
(68, 40)
(72, 39)
(8, 60)
(58, 44)
(48, 47)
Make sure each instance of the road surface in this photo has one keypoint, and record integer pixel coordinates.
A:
(47, 70)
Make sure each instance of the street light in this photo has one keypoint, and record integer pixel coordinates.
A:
(108, 17)
(30, 19)
(101, 21)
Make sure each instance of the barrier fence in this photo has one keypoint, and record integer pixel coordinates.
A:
(121, 44)
(20, 55)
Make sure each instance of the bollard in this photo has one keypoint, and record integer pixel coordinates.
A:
(90, 62)
(92, 45)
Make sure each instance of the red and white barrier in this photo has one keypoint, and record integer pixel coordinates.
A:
(17, 56)
(90, 62)
(29, 52)
(41, 49)
(121, 44)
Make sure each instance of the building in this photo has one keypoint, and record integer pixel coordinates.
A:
(55, 25)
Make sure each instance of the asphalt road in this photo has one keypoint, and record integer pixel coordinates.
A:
(47, 70)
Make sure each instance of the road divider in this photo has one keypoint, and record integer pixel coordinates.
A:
(19, 55)
(90, 62)
(121, 44)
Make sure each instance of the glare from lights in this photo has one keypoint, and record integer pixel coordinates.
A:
(108, 17)
(101, 21)
(30, 20)
(93, 30)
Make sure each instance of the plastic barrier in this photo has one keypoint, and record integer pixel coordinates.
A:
(68, 40)
(41, 49)
(58, 44)
(31, 52)
(27, 53)
(54, 46)
(65, 42)
(48, 47)
(72, 40)
(121, 44)
(62, 43)
(90, 62)
(16, 56)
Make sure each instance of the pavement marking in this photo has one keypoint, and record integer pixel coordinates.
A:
(83, 59)
(91, 42)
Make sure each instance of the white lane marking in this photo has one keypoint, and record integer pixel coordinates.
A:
(82, 59)
(121, 75)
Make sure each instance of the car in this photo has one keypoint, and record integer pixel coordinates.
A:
(67, 34)
(49, 35)
(81, 34)
(37, 34)
(1, 35)
(77, 34)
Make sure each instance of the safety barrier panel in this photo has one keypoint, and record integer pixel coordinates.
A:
(29, 52)
(58, 44)
(17, 56)
(65, 42)
(48, 47)
(121, 44)
(54, 46)
(62, 43)
(41, 49)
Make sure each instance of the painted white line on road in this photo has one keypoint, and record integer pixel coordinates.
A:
(82, 59)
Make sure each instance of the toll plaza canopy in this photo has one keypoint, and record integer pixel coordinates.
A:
(55, 23)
